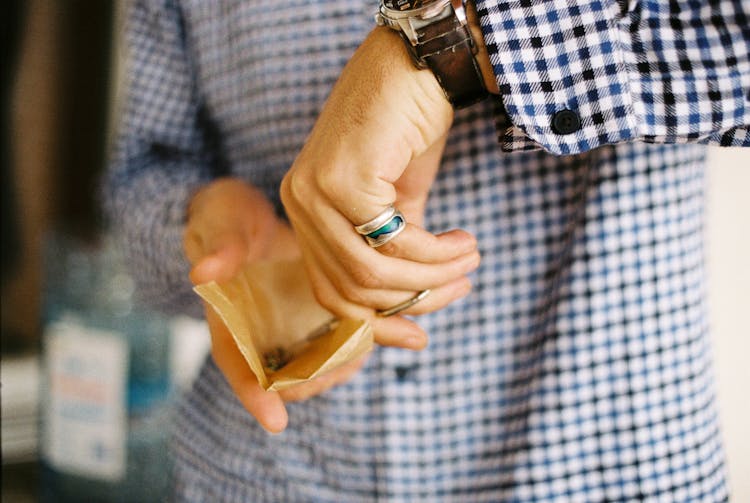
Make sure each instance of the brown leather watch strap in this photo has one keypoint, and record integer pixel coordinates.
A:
(448, 50)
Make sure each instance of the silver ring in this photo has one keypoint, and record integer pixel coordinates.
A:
(384, 227)
(384, 313)
(377, 222)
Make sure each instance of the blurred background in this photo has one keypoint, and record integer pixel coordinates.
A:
(88, 376)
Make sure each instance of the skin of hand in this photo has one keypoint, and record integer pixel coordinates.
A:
(219, 240)
(378, 141)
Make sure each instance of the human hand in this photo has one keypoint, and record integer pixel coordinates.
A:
(229, 225)
(378, 141)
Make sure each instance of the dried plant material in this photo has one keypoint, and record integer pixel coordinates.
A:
(275, 359)
(285, 336)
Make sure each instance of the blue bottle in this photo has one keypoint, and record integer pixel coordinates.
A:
(107, 393)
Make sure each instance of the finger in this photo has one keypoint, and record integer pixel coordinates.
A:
(322, 267)
(323, 383)
(266, 407)
(434, 300)
(400, 274)
(351, 263)
(381, 299)
(395, 331)
(318, 222)
(223, 262)
(377, 299)
(192, 244)
(413, 186)
(418, 245)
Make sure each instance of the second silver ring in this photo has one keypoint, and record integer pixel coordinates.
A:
(384, 313)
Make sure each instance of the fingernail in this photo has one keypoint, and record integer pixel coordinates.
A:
(465, 289)
(471, 261)
(416, 342)
(471, 243)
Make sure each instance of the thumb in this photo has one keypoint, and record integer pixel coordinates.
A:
(413, 187)
(230, 253)
(266, 406)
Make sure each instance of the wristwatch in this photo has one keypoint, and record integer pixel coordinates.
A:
(438, 37)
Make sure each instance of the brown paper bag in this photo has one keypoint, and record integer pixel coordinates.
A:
(271, 312)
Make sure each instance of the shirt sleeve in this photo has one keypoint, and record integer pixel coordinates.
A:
(577, 75)
(161, 155)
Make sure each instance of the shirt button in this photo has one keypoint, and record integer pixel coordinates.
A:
(405, 372)
(565, 122)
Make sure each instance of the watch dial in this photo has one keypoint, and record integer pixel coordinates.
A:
(402, 4)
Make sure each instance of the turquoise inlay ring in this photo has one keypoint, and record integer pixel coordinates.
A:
(383, 227)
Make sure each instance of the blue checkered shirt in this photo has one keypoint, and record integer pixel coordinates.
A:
(579, 368)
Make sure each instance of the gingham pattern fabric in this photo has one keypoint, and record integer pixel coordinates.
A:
(578, 369)
(632, 70)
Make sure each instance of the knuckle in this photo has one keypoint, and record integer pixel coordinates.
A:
(294, 187)
(322, 295)
(357, 295)
(366, 277)
(390, 248)
(191, 244)
(285, 189)
(329, 181)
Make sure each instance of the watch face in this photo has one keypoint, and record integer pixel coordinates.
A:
(402, 4)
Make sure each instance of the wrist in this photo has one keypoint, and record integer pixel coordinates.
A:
(438, 36)
(427, 84)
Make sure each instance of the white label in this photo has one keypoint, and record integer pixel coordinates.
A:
(190, 344)
(86, 415)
